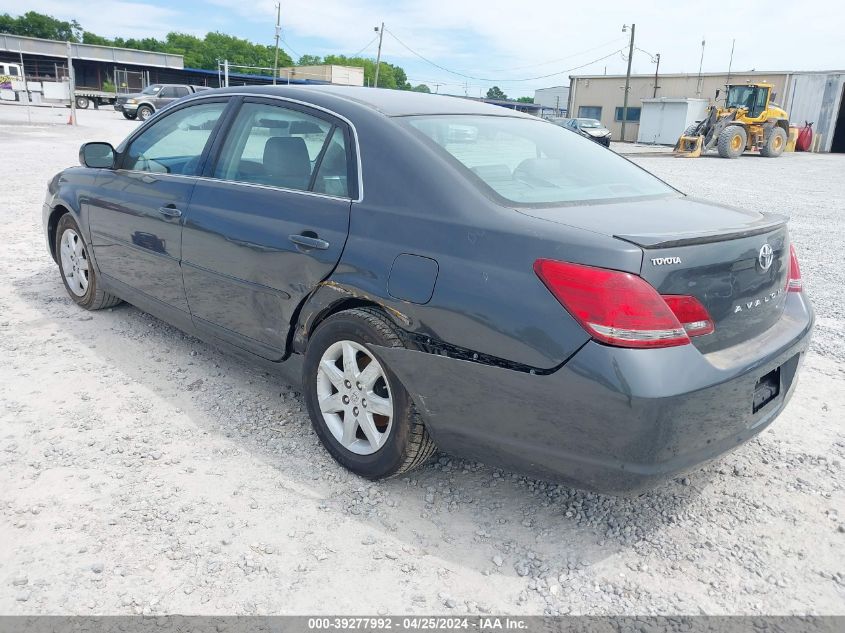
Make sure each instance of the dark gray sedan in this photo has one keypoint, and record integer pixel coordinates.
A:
(589, 128)
(449, 273)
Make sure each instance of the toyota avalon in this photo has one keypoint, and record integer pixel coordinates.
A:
(450, 274)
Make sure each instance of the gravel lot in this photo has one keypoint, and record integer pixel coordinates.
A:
(142, 471)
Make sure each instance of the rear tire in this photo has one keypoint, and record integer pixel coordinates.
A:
(77, 269)
(145, 112)
(131, 117)
(335, 398)
(775, 144)
(82, 103)
(732, 141)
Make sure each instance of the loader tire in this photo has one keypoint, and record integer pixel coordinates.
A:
(732, 141)
(775, 144)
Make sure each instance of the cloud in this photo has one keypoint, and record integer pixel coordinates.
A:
(497, 39)
(110, 18)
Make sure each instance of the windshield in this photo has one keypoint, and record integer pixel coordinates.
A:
(741, 97)
(530, 161)
(151, 90)
(589, 123)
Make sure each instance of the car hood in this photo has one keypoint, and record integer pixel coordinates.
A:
(597, 131)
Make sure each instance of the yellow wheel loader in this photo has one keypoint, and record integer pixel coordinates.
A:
(749, 120)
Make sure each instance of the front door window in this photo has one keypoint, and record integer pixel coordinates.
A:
(174, 144)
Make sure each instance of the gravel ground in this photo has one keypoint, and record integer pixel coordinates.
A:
(142, 471)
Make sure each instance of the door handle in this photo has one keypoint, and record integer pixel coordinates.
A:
(170, 211)
(309, 241)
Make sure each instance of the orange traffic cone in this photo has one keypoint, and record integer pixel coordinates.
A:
(70, 119)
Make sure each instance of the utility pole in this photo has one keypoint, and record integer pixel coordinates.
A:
(378, 56)
(656, 68)
(730, 63)
(627, 77)
(700, 64)
(278, 33)
(71, 85)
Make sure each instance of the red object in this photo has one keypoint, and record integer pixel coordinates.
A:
(622, 309)
(794, 284)
(805, 138)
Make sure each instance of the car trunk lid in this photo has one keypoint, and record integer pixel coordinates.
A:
(735, 262)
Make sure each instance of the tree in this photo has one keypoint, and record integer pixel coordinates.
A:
(525, 100)
(33, 24)
(496, 93)
(310, 60)
(421, 88)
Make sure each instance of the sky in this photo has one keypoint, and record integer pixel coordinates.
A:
(471, 45)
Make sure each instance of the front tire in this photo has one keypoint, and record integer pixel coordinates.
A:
(129, 116)
(77, 269)
(360, 411)
(775, 144)
(145, 112)
(732, 141)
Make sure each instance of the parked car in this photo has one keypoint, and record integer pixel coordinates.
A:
(589, 128)
(515, 294)
(154, 97)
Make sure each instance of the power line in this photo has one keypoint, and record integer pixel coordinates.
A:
(290, 48)
(494, 80)
(370, 43)
(559, 59)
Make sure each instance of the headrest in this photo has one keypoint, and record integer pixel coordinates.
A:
(286, 156)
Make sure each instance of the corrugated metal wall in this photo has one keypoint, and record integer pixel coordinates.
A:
(816, 97)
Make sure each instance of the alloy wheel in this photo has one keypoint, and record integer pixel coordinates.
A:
(354, 397)
(74, 258)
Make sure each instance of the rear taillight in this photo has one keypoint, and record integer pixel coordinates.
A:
(693, 316)
(794, 284)
(622, 309)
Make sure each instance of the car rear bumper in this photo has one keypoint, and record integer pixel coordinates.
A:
(610, 419)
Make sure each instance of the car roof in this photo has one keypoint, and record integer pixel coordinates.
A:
(383, 100)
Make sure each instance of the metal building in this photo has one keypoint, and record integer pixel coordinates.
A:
(807, 96)
(555, 98)
(601, 96)
(820, 98)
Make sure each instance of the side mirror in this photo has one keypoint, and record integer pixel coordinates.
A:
(717, 95)
(97, 155)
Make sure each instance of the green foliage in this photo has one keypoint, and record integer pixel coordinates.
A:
(496, 93)
(525, 100)
(310, 60)
(421, 88)
(32, 24)
(108, 86)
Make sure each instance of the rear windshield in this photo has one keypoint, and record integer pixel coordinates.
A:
(528, 161)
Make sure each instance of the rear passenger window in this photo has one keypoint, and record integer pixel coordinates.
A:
(276, 146)
(332, 173)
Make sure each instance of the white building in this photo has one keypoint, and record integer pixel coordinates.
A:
(555, 98)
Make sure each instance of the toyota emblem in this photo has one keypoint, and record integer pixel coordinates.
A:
(765, 257)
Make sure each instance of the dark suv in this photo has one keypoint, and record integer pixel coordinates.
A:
(154, 97)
